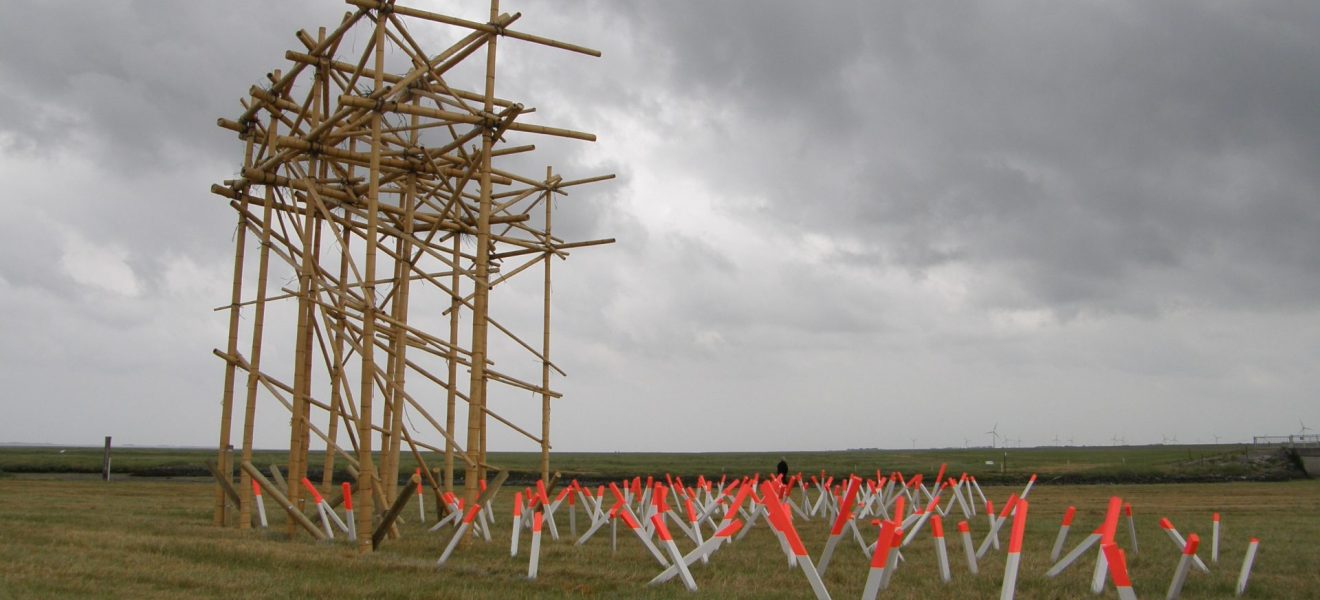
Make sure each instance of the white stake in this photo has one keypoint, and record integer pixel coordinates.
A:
(661, 530)
(348, 511)
(1132, 526)
(1063, 533)
(261, 504)
(1014, 549)
(941, 552)
(1184, 564)
(1214, 538)
(966, 533)
(1246, 566)
(879, 561)
(534, 561)
(1178, 541)
(1118, 571)
(517, 524)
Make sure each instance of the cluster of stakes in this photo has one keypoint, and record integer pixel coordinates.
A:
(713, 514)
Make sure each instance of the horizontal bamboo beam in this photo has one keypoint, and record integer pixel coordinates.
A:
(483, 27)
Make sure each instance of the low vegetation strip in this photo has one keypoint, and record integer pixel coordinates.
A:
(1057, 465)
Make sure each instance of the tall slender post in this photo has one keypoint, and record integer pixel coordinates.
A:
(545, 335)
(235, 298)
(366, 469)
(477, 385)
(254, 357)
(451, 391)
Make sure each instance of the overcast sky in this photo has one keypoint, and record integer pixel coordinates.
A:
(868, 224)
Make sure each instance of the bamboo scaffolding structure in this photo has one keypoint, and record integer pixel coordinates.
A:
(370, 203)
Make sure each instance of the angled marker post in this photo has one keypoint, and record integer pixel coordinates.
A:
(1068, 516)
(1072, 556)
(347, 491)
(667, 540)
(517, 524)
(1118, 571)
(1214, 538)
(780, 514)
(1107, 533)
(701, 552)
(534, 561)
(996, 523)
(1184, 565)
(1132, 526)
(844, 517)
(261, 504)
(1014, 558)
(1247, 561)
(458, 535)
(941, 551)
(965, 533)
(879, 561)
(1179, 542)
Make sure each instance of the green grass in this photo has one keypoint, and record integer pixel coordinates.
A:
(74, 536)
(1098, 464)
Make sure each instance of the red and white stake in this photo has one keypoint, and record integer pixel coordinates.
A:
(534, 562)
(1118, 571)
(458, 535)
(1179, 542)
(421, 504)
(879, 561)
(1027, 490)
(1075, 553)
(658, 521)
(1063, 532)
(996, 523)
(348, 511)
(784, 522)
(701, 552)
(1014, 550)
(630, 520)
(1246, 566)
(966, 533)
(517, 523)
(1107, 532)
(321, 508)
(1184, 565)
(844, 517)
(261, 504)
(1132, 526)
(941, 551)
(1214, 538)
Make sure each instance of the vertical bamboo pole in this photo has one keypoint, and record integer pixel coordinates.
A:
(398, 354)
(235, 298)
(477, 385)
(337, 343)
(254, 357)
(367, 471)
(545, 337)
(452, 392)
(300, 411)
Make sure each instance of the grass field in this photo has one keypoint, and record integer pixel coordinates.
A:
(1096, 464)
(72, 536)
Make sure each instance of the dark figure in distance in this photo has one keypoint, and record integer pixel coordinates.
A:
(782, 469)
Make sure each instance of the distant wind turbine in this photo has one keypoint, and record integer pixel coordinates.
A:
(994, 434)
(1056, 439)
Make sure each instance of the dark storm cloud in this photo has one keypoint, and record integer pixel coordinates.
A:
(1115, 157)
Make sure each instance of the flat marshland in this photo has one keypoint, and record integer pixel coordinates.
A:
(73, 536)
